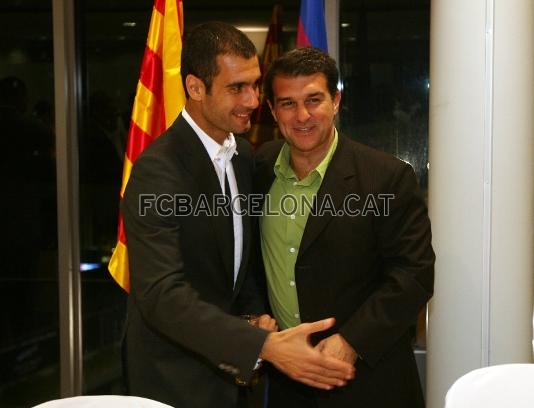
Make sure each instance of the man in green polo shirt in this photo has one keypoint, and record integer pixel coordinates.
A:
(344, 233)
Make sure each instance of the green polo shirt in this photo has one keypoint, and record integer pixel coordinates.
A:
(286, 211)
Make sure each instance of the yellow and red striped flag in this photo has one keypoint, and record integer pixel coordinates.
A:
(158, 101)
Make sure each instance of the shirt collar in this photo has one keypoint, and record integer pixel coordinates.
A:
(282, 168)
(217, 152)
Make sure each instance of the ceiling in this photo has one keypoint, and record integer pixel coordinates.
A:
(108, 12)
(204, 4)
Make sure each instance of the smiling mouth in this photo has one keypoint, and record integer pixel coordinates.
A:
(304, 129)
(243, 115)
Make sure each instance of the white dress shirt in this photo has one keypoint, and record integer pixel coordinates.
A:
(221, 157)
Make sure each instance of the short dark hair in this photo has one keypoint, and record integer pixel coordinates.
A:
(302, 62)
(205, 42)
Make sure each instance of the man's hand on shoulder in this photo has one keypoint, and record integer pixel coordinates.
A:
(291, 352)
(336, 346)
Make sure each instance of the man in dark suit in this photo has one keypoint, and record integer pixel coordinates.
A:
(345, 233)
(188, 253)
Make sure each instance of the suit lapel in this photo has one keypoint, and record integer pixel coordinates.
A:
(334, 189)
(203, 172)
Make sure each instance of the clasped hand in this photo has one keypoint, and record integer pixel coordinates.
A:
(291, 352)
(336, 346)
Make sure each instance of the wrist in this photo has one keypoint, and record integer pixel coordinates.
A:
(267, 348)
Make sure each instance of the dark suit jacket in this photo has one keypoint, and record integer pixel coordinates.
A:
(182, 346)
(372, 272)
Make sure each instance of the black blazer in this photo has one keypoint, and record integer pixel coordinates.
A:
(182, 346)
(372, 272)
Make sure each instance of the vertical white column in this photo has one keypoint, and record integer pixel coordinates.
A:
(481, 193)
(513, 183)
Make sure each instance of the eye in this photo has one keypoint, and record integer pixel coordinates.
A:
(235, 88)
(286, 104)
(313, 101)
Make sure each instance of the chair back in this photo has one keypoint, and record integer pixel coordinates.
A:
(499, 386)
(103, 401)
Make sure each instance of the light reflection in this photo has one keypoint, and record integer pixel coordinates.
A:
(247, 29)
(89, 266)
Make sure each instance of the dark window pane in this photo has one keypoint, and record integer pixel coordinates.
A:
(29, 344)
(112, 38)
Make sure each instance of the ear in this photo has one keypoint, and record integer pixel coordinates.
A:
(272, 110)
(337, 101)
(195, 87)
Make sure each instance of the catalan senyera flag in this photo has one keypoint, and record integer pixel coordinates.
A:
(311, 30)
(271, 51)
(159, 99)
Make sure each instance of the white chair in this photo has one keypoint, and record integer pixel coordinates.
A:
(500, 386)
(103, 401)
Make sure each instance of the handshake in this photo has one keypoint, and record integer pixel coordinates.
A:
(327, 365)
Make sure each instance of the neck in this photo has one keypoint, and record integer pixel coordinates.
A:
(303, 163)
(195, 111)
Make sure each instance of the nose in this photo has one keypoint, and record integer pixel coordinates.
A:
(251, 97)
(302, 113)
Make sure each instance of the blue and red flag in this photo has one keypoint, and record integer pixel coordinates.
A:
(311, 31)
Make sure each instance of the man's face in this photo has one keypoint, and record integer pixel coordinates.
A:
(305, 111)
(232, 98)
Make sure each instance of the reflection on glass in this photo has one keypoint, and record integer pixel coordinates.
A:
(384, 62)
(113, 38)
(29, 344)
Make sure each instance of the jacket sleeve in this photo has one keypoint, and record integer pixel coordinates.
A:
(404, 243)
(164, 298)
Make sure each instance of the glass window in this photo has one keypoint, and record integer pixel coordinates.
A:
(384, 63)
(112, 38)
(29, 344)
